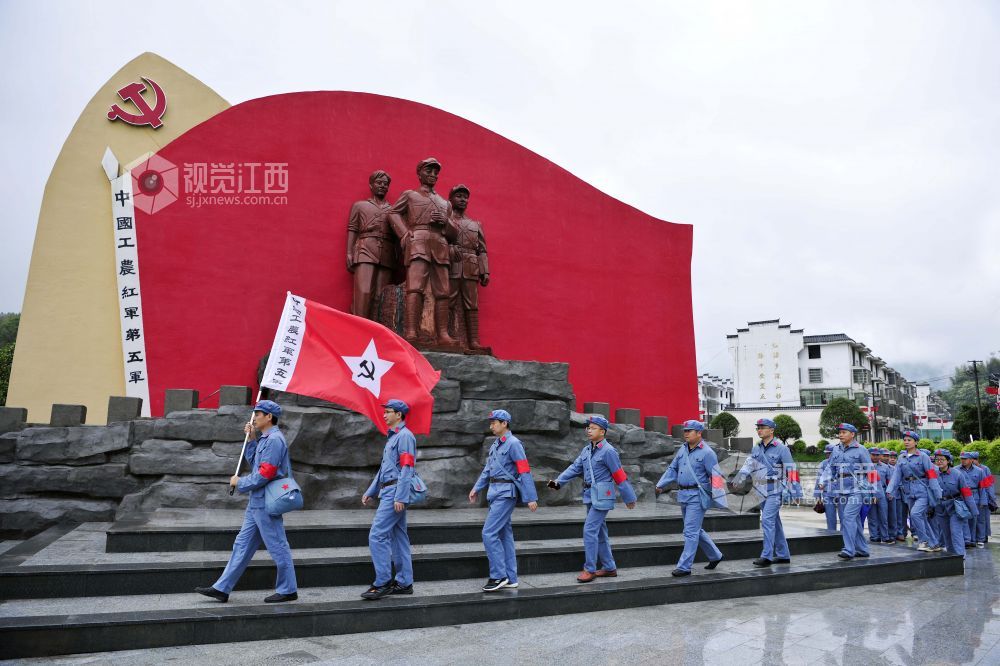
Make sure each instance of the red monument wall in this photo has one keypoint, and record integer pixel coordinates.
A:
(576, 275)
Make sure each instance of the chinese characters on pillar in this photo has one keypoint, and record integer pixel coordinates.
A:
(129, 292)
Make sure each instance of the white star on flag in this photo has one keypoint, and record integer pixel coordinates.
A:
(367, 370)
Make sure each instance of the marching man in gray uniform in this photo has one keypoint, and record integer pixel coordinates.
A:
(701, 486)
(601, 469)
(508, 475)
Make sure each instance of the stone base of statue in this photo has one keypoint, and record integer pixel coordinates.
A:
(390, 311)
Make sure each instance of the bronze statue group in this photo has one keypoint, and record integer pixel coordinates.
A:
(441, 251)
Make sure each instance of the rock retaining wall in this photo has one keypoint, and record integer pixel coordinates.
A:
(95, 473)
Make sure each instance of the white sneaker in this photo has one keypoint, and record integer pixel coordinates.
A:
(492, 585)
(937, 549)
(924, 547)
(514, 585)
(980, 544)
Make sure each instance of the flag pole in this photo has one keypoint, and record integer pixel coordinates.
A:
(246, 438)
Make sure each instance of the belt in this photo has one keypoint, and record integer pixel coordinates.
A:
(912, 478)
(464, 250)
(950, 497)
(843, 474)
(499, 480)
(373, 234)
(428, 227)
(389, 483)
(680, 487)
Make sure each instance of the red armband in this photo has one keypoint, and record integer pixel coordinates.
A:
(718, 481)
(793, 475)
(268, 471)
(872, 476)
(405, 459)
(932, 473)
(522, 466)
(966, 492)
(986, 483)
(620, 476)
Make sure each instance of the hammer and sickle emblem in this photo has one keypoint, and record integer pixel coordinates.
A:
(367, 370)
(147, 115)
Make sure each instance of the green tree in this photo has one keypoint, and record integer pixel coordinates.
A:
(9, 322)
(729, 424)
(786, 428)
(6, 359)
(840, 410)
(967, 424)
(963, 385)
(8, 334)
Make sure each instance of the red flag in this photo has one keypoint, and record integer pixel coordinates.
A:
(331, 355)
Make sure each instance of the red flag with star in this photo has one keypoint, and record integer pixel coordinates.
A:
(360, 364)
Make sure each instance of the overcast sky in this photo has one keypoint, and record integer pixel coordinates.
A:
(838, 160)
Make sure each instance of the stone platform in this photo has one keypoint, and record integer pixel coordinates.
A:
(62, 592)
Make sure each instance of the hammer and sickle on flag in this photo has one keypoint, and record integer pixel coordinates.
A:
(367, 370)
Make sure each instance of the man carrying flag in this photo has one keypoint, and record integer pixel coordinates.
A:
(268, 456)
(324, 353)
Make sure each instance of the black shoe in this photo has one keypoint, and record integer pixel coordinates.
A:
(862, 555)
(494, 584)
(278, 598)
(783, 560)
(762, 562)
(713, 563)
(212, 592)
(377, 592)
(844, 556)
(679, 573)
(401, 589)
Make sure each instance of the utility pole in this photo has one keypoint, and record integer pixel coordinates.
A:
(979, 407)
(873, 415)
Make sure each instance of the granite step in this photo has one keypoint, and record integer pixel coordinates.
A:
(199, 530)
(48, 627)
(83, 572)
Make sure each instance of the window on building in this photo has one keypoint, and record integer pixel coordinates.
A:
(814, 351)
(815, 375)
(859, 377)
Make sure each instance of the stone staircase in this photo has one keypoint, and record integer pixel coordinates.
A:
(128, 585)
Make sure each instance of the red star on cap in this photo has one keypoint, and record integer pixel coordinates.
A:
(284, 487)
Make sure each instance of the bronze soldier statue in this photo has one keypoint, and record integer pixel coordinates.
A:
(371, 252)
(469, 263)
(419, 218)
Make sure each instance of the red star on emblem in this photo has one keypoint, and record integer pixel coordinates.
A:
(609, 492)
(284, 487)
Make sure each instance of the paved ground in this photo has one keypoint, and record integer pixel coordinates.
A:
(944, 621)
